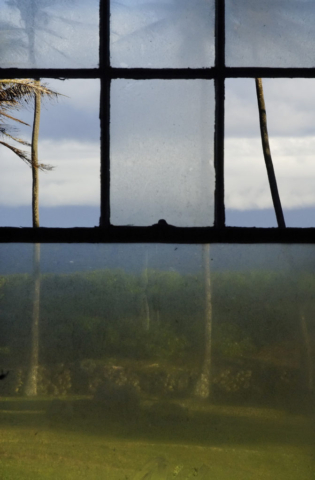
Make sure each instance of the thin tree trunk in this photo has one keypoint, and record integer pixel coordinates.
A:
(308, 353)
(146, 306)
(32, 380)
(203, 386)
(35, 171)
(267, 153)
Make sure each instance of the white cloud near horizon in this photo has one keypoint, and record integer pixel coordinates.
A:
(246, 185)
(290, 107)
(74, 180)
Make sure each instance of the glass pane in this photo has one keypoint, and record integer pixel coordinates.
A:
(162, 152)
(173, 33)
(247, 193)
(49, 33)
(270, 33)
(69, 133)
(157, 361)
(289, 106)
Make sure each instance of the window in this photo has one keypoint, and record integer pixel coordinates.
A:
(171, 66)
(162, 341)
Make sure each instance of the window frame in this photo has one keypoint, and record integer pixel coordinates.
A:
(161, 232)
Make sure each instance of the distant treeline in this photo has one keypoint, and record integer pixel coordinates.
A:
(153, 315)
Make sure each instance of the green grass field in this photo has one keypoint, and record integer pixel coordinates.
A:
(76, 438)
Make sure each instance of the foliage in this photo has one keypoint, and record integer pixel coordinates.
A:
(230, 341)
(98, 315)
(15, 93)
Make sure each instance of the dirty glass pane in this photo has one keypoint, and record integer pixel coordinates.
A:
(173, 33)
(290, 104)
(69, 142)
(49, 33)
(157, 361)
(270, 33)
(162, 152)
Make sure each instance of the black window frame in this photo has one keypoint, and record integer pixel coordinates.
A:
(161, 232)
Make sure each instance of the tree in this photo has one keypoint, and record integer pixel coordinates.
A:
(31, 385)
(13, 93)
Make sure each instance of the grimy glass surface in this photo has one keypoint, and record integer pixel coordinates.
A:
(270, 33)
(157, 361)
(69, 142)
(162, 152)
(153, 34)
(49, 33)
(290, 106)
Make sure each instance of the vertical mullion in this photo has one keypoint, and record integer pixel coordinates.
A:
(105, 110)
(219, 214)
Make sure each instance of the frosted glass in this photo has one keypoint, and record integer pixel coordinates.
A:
(173, 33)
(49, 33)
(270, 33)
(290, 106)
(119, 378)
(162, 152)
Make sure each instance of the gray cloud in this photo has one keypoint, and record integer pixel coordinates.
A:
(270, 33)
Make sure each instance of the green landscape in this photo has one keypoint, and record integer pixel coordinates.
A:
(120, 360)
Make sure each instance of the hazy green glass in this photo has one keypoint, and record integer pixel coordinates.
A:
(163, 360)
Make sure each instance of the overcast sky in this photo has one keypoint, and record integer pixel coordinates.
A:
(162, 132)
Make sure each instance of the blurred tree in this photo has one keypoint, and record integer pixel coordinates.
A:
(34, 20)
(203, 385)
(145, 299)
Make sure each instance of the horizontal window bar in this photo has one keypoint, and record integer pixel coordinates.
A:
(61, 73)
(164, 73)
(159, 233)
(159, 73)
(264, 72)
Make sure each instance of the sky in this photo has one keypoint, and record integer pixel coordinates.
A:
(162, 131)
